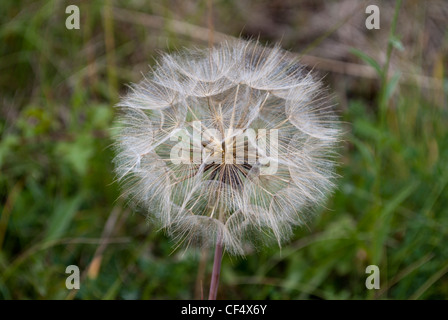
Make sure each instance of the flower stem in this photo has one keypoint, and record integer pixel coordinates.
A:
(216, 269)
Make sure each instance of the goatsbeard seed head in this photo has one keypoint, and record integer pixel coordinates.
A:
(237, 140)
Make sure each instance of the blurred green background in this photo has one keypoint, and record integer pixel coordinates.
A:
(60, 205)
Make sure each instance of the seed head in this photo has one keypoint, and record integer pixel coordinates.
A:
(236, 140)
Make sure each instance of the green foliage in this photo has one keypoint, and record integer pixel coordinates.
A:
(58, 198)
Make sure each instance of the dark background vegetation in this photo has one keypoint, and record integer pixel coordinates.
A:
(58, 198)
